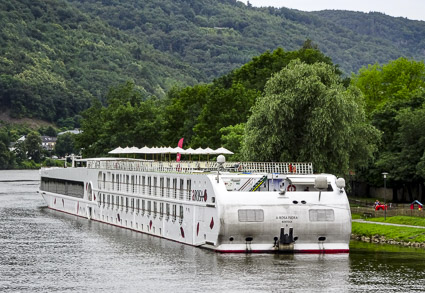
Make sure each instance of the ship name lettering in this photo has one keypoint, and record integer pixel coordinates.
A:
(286, 217)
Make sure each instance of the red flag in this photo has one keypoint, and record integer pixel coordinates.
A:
(180, 145)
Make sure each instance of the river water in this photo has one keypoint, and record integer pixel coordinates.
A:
(46, 251)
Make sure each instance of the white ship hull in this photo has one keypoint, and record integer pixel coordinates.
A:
(199, 210)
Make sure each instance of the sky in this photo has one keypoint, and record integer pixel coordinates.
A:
(412, 9)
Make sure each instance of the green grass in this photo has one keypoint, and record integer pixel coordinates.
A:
(356, 216)
(405, 220)
(390, 232)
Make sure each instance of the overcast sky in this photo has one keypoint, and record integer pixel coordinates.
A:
(412, 9)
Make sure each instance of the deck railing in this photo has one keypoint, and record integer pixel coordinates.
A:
(201, 166)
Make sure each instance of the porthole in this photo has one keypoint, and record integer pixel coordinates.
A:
(295, 238)
(231, 238)
(322, 238)
(295, 202)
(303, 202)
(248, 239)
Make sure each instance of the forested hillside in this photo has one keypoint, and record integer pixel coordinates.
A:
(57, 55)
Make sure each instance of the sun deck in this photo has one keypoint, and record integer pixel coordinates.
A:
(191, 167)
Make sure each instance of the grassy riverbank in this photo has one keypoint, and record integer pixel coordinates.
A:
(406, 236)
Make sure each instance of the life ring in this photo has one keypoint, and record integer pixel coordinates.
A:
(291, 187)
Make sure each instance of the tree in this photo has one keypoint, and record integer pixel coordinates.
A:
(400, 79)
(65, 144)
(223, 107)
(49, 131)
(402, 152)
(33, 146)
(126, 121)
(6, 157)
(232, 138)
(306, 114)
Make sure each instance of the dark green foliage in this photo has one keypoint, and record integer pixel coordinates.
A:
(223, 107)
(48, 131)
(65, 145)
(126, 121)
(255, 73)
(307, 115)
(206, 109)
(403, 142)
(33, 146)
(55, 58)
(397, 80)
(58, 55)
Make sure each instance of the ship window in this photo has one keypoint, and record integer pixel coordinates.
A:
(137, 205)
(149, 207)
(132, 183)
(149, 185)
(154, 208)
(251, 215)
(104, 180)
(99, 180)
(168, 187)
(138, 185)
(161, 186)
(167, 210)
(181, 196)
(321, 215)
(174, 214)
(127, 181)
(108, 200)
(143, 206)
(155, 183)
(112, 201)
(189, 189)
(174, 187)
(161, 209)
(144, 184)
(113, 181)
(181, 213)
(132, 204)
(118, 201)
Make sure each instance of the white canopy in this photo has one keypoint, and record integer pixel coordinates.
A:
(223, 151)
(118, 150)
(169, 150)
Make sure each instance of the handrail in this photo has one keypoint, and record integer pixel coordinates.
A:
(200, 166)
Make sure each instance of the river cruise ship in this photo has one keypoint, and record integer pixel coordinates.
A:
(248, 207)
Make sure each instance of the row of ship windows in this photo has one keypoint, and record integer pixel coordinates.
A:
(142, 206)
(148, 185)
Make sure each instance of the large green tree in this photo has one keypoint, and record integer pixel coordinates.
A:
(33, 146)
(306, 114)
(400, 79)
(402, 150)
(65, 144)
(127, 120)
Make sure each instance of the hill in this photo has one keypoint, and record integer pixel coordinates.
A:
(57, 55)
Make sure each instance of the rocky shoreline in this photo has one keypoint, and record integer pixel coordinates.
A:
(379, 239)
